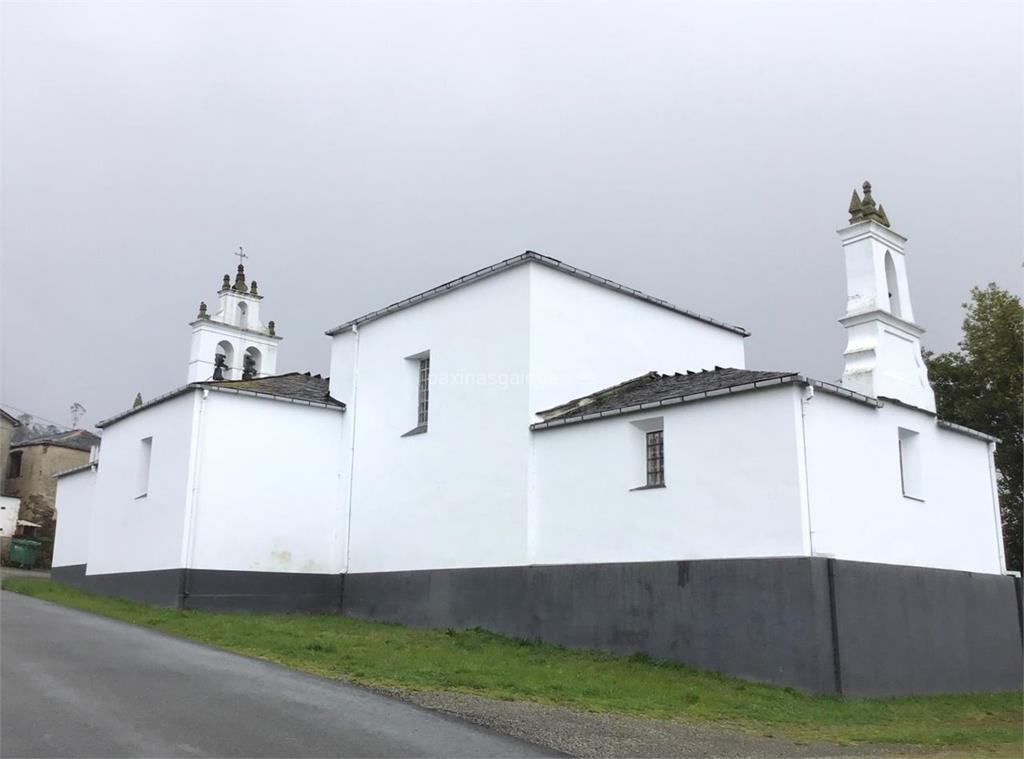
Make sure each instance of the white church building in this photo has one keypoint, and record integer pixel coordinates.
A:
(531, 415)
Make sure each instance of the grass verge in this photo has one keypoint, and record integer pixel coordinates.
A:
(487, 664)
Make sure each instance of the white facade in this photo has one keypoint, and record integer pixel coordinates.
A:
(776, 472)
(733, 484)
(9, 507)
(859, 507)
(500, 349)
(74, 518)
(195, 481)
(433, 463)
(267, 502)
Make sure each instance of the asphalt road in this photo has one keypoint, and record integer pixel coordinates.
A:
(75, 684)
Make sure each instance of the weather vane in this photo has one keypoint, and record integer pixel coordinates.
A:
(241, 255)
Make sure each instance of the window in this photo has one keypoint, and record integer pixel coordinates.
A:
(647, 456)
(14, 464)
(910, 464)
(145, 455)
(418, 367)
(655, 458)
(423, 398)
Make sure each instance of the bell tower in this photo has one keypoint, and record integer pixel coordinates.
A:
(883, 348)
(233, 343)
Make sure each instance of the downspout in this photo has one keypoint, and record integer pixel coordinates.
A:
(352, 449)
(807, 396)
(193, 501)
(1000, 545)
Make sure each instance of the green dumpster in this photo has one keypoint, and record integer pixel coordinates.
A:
(24, 551)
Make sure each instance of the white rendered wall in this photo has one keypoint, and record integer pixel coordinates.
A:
(858, 510)
(456, 495)
(733, 485)
(501, 349)
(74, 517)
(272, 487)
(9, 508)
(584, 338)
(132, 534)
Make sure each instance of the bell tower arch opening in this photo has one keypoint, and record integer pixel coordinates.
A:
(892, 285)
(223, 360)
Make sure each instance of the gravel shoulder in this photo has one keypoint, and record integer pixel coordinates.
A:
(591, 734)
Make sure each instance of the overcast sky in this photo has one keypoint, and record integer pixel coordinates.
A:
(704, 153)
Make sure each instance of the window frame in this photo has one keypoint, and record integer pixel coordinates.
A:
(908, 446)
(419, 368)
(423, 392)
(14, 472)
(655, 458)
(145, 466)
(647, 453)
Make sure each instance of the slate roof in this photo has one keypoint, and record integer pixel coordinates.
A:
(528, 256)
(15, 422)
(298, 387)
(654, 389)
(294, 385)
(80, 440)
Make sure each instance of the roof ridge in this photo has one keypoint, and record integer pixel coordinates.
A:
(544, 260)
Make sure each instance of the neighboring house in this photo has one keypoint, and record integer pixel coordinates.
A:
(7, 425)
(30, 474)
(463, 466)
(8, 506)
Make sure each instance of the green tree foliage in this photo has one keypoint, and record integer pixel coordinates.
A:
(980, 386)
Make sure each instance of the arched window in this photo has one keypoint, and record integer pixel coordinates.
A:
(243, 315)
(252, 363)
(223, 359)
(892, 285)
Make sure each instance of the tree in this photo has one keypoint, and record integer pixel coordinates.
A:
(980, 386)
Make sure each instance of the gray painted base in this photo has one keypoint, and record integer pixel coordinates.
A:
(820, 625)
(213, 589)
(73, 574)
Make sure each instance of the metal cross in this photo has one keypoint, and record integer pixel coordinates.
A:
(240, 254)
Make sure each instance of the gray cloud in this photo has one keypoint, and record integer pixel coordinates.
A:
(701, 152)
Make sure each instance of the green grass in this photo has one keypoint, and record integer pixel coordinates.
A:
(480, 662)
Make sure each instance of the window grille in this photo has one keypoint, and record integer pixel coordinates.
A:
(655, 458)
(424, 392)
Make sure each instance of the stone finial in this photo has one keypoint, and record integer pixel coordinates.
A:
(866, 210)
(240, 280)
(252, 288)
(868, 204)
(855, 213)
(138, 400)
(272, 328)
(202, 311)
(226, 284)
